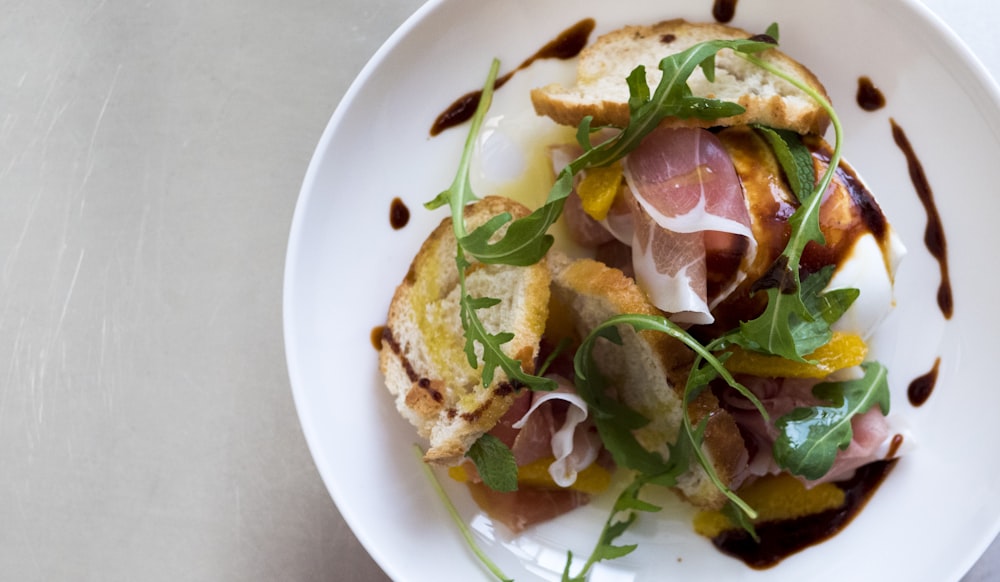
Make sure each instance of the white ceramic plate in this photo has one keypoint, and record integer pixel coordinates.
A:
(938, 510)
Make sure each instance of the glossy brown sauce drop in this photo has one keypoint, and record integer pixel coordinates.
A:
(934, 237)
(376, 337)
(869, 97)
(920, 389)
(724, 10)
(894, 444)
(780, 539)
(567, 45)
(399, 214)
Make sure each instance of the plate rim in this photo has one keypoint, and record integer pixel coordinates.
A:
(981, 76)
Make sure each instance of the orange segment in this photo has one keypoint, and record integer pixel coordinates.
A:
(774, 497)
(598, 189)
(594, 479)
(842, 351)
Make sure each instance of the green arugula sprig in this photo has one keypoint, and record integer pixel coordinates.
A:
(623, 514)
(494, 462)
(772, 331)
(457, 197)
(615, 421)
(470, 540)
(527, 240)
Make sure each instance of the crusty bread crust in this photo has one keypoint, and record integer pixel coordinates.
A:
(648, 372)
(602, 92)
(422, 354)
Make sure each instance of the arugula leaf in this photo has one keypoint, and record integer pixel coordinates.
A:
(623, 514)
(809, 438)
(738, 517)
(793, 157)
(802, 334)
(494, 462)
(561, 347)
(771, 332)
(772, 31)
(460, 193)
(692, 437)
(615, 421)
(526, 239)
(457, 197)
(824, 310)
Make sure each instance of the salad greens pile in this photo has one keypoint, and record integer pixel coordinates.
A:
(795, 322)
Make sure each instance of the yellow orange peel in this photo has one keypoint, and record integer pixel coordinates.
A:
(844, 350)
(594, 479)
(598, 188)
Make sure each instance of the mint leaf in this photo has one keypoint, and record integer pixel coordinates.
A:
(809, 438)
(793, 157)
(494, 462)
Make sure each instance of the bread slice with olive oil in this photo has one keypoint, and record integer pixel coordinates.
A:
(423, 344)
(647, 372)
(601, 90)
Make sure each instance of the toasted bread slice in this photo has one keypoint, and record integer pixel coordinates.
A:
(422, 355)
(602, 92)
(648, 372)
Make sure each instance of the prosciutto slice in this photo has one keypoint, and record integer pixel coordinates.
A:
(686, 194)
(872, 431)
(556, 426)
(538, 426)
(525, 507)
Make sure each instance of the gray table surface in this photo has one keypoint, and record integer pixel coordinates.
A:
(150, 158)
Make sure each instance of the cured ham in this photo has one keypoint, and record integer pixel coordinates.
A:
(685, 187)
(682, 206)
(556, 425)
(541, 425)
(872, 432)
(527, 506)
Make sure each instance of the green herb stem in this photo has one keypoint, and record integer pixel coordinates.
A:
(462, 527)
(796, 246)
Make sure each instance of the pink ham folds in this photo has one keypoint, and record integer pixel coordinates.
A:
(683, 204)
(541, 425)
(557, 430)
(688, 197)
(554, 425)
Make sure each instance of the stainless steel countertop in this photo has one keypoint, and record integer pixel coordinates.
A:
(150, 158)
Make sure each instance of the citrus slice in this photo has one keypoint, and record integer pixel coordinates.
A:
(594, 479)
(598, 189)
(842, 351)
